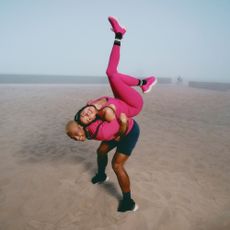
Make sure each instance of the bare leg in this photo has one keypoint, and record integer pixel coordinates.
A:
(118, 162)
(127, 204)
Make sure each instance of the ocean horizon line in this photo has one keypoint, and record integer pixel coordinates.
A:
(51, 79)
(98, 79)
(61, 79)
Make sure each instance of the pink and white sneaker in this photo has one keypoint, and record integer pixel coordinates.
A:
(116, 28)
(150, 82)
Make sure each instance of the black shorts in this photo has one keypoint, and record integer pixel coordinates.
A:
(128, 142)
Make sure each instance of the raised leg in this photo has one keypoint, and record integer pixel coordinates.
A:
(121, 84)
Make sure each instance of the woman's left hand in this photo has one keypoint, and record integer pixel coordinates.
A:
(123, 118)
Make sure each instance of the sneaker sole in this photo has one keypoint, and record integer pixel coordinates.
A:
(122, 28)
(135, 208)
(107, 179)
(151, 86)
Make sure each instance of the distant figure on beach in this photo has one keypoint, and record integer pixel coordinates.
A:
(179, 80)
(110, 120)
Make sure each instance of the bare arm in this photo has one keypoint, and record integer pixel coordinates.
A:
(109, 113)
(123, 121)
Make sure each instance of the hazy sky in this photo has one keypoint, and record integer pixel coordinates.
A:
(165, 38)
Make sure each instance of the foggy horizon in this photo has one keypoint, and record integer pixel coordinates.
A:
(168, 39)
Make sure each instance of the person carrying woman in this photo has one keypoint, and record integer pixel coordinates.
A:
(110, 120)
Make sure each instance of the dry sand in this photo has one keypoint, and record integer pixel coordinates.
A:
(180, 169)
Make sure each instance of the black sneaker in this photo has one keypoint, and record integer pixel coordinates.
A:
(127, 205)
(99, 178)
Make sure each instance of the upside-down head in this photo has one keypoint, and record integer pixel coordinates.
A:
(75, 131)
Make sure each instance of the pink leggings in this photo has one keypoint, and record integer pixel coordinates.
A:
(121, 84)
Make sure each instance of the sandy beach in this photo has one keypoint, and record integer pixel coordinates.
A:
(179, 170)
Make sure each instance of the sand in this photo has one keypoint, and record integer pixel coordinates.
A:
(180, 169)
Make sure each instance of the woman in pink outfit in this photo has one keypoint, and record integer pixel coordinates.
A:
(110, 120)
(126, 99)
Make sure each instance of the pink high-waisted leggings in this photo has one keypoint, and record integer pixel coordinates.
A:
(121, 84)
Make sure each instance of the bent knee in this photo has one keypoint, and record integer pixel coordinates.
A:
(137, 108)
(108, 72)
(101, 151)
(111, 72)
(117, 166)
